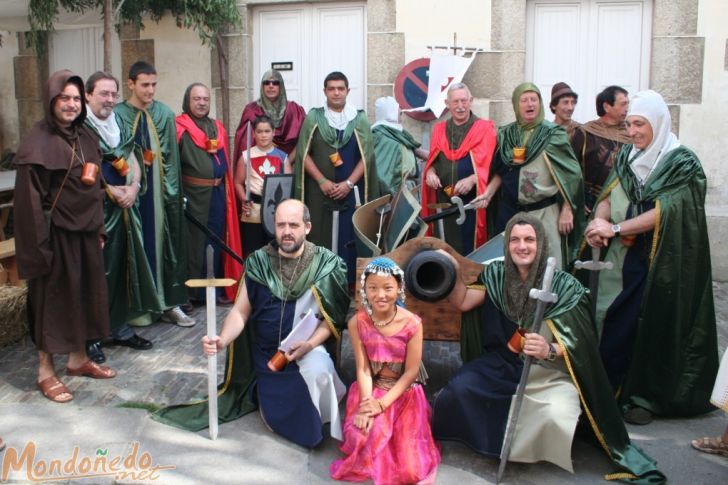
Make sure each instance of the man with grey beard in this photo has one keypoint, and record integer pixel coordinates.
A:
(128, 274)
(460, 154)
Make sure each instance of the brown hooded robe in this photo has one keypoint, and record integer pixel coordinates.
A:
(61, 258)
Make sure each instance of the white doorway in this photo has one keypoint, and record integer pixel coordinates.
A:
(589, 44)
(308, 41)
(82, 51)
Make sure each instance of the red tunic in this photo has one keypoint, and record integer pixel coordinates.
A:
(480, 144)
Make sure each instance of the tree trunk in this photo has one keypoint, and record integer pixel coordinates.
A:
(108, 26)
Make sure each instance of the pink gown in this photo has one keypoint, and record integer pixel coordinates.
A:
(399, 448)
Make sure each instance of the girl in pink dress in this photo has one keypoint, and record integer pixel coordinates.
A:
(387, 435)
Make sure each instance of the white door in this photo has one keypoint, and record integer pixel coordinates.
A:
(82, 51)
(588, 44)
(312, 40)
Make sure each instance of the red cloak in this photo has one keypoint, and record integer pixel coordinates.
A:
(231, 268)
(284, 137)
(480, 144)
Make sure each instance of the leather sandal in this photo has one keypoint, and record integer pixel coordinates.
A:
(52, 388)
(714, 446)
(93, 370)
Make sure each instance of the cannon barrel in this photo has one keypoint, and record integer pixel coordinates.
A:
(430, 276)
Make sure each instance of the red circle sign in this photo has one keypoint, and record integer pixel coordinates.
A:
(410, 88)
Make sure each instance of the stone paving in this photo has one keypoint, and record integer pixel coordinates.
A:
(174, 371)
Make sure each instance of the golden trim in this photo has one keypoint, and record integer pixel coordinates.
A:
(567, 361)
(303, 163)
(556, 180)
(656, 232)
(229, 374)
(608, 190)
(327, 317)
(620, 476)
(475, 286)
(363, 160)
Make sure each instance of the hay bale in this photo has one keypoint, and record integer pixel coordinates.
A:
(13, 314)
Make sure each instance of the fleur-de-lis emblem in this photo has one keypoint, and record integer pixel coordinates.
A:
(267, 168)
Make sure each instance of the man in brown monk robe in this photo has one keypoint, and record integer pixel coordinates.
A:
(597, 142)
(60, 232)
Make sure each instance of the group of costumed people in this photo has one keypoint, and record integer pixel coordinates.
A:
(526, 174)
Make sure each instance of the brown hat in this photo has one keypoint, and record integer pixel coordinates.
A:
(559, 90)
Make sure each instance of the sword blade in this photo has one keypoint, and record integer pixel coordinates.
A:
(215, 238)
(211, 333)
(248, 163)
(335, 232)
(594, 281)
(521, 388)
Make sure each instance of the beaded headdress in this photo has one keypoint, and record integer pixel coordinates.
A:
(383, 267)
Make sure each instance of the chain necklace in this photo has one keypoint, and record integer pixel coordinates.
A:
(288, 290)
(381, 325)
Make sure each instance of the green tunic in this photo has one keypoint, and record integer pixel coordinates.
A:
(550, 169)
(394, 153)
(198, 163)
(571, 324)
(170, 246)
(130, 282)
(675, 353)
(325, 276)
(315, 126)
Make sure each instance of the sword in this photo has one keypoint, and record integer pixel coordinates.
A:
(595, 266)
(544, 297)
(456, 207)
(382, 210)
(210, 284)
(248, 164)
(335, 206)
(335, 232)
(215, 238)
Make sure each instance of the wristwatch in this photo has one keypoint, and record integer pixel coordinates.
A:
(616, 229)
(552, 353)
(349, 184)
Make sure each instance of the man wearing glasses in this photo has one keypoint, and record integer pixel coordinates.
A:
(287, 116)
(128, 275)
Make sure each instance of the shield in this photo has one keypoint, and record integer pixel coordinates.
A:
(490, 251)
(405, 209)
(276, 188)
(366, 222)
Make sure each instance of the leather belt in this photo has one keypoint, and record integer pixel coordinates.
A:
(189, 180)
(537, 205)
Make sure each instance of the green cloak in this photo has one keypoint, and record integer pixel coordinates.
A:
(171, 250)
(359, 127)
(393, 151)
(326, 277)
(551, 140)
(675, 358)
(571, 323)
(130, 281)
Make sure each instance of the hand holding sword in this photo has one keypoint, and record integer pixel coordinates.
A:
(544, 296)
(211, 342)
(594, 267)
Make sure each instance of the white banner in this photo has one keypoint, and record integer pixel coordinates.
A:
(444, 71)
